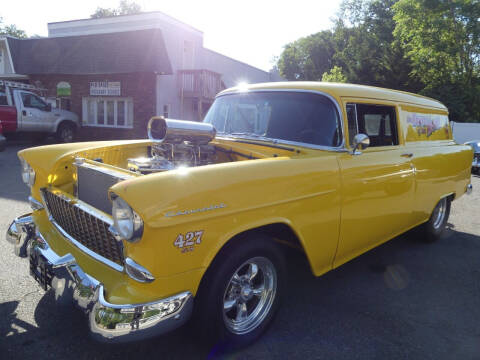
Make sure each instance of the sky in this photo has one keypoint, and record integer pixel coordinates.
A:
(252, 31)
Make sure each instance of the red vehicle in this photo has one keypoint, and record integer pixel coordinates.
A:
(2, 139)
(22, 110)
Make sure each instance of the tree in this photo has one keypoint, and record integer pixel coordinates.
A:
(442, 39)
(125, 7)
(334, 75)
(11, 30)
(307, 58)
(366, 48)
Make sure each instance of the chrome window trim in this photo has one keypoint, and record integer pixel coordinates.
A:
(88, 209)
(339, 148)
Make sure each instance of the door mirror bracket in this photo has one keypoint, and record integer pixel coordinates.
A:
(360, 142)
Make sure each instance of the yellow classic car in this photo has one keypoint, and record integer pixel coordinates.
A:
(197, 218)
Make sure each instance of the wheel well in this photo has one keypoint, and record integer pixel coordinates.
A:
(279, 232)
(69, 122)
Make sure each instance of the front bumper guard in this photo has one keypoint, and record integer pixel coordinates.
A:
(108, 322)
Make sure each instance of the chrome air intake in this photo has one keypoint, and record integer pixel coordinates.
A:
(178, 131)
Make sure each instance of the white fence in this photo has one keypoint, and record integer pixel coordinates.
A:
(463, 132)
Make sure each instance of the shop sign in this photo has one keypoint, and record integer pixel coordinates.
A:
(64, 89)
(105, 88)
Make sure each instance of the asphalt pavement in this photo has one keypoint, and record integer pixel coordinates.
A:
(403, 300)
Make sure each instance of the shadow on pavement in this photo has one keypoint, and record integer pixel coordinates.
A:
(405, 298)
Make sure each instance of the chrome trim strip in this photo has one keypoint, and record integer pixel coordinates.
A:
(52, 257)
(35, 204)
(146, 276)
(340, 148)
(104, 302)
(86, 250)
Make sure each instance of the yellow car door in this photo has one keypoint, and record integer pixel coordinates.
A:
(377, 184)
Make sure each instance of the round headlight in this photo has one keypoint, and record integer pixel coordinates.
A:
(127, 222)
(28, 174)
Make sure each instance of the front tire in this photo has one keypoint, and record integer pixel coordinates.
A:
(241, 292)
(435, 226)
(66, 132)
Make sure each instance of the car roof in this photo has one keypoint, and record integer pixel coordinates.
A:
(339, 90)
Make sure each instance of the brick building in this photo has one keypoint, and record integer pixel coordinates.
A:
(117, 72)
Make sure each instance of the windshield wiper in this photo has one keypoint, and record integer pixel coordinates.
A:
(244, 137)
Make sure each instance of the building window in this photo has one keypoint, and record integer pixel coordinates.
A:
(166, 110)
(108, 112)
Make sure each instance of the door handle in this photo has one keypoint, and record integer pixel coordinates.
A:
(24, 113)
(407, 155)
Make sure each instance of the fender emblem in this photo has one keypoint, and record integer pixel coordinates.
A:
(194, 211)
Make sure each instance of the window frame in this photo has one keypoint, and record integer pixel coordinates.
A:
(128, 111)
(340, 123)
(367, 102)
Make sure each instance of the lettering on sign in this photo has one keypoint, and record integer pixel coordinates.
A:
(105, 88)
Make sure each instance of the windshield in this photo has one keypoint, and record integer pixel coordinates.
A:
(291, 116)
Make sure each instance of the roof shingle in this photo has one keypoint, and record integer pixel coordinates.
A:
(114, 53)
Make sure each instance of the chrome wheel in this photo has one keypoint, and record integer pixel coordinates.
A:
(439, 212)
(66, 133)
(249, 295)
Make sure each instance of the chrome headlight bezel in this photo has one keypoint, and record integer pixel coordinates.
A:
(28, 174)
(126, 221)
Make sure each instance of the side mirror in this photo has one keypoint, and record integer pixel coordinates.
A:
(48, 108)
(360, 142)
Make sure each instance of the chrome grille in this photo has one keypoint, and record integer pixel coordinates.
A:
(88, 230)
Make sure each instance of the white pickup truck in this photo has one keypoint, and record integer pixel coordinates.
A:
(21, 110)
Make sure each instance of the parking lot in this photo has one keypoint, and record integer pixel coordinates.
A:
(405, 299)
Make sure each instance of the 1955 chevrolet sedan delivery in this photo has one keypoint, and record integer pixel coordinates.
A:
(195, 219)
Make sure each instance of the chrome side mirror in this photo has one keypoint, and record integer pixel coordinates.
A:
(360, 142)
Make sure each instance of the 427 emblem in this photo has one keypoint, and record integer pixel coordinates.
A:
(188, 241)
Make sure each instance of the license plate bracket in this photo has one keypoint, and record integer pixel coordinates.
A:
(40, 270)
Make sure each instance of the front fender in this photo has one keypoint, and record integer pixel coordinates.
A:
(223, 200)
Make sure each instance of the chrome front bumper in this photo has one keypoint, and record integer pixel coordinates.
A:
(108, 322)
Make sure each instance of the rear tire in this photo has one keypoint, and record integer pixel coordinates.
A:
(435, 226)
(66, 132)
(240, 292)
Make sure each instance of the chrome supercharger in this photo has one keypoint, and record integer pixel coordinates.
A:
(176, 143)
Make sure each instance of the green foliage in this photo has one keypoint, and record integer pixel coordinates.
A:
(11, 30)
(366, 48)
(307, 58)
(422, 46)
(442, 39)
(124, 8)
(334, 75)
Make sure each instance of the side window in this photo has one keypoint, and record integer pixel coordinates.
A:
(33, 101)
(377, 121)
(3, 97)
